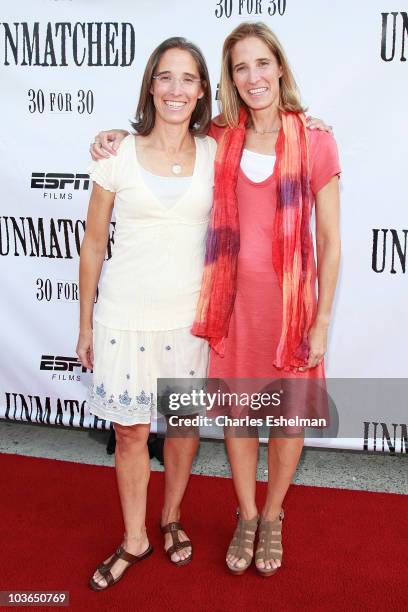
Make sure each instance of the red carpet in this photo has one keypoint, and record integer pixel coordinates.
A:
(343, 550)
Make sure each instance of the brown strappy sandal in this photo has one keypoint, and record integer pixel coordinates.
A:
(269, 543)
(244, 537)
(104, 568)
(173, 528)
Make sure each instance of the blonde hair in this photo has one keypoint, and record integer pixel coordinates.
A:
(231, 101)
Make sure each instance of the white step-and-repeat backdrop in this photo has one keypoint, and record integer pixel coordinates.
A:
(70, 68)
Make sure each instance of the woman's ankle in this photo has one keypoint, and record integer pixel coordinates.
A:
(270, 513)
(170, 515)
(248, 511)
(135, 535)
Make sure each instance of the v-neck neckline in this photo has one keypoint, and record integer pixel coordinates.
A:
(153, 196)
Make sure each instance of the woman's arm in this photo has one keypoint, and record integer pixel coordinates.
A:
(328, 259)
(106, 143)
(93, 250)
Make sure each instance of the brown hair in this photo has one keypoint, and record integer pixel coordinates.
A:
(231, 101)
(146, 112)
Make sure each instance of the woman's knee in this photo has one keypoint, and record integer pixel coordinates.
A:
(182, 427)
(131, 435)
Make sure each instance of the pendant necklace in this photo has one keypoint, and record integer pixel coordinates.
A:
(176, 168)
(261, 133)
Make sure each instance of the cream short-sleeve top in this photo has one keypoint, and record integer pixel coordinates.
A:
(152, 281)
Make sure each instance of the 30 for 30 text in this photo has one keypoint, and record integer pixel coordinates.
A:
(226, 8)
(60, 101)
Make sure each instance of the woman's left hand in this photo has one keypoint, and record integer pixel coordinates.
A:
(318, 124)
(317, 346)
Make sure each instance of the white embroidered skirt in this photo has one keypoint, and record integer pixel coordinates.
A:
(128, 363)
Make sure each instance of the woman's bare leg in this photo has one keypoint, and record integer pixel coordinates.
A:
(283, 457)
(132, 472)
(243, 458)
(180, 448)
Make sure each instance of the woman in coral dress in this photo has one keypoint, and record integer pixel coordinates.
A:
(258, 307)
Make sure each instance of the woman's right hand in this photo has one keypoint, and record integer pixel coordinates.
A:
(84, 349)
(106, 143)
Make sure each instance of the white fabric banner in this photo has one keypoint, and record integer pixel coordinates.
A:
(70, 68)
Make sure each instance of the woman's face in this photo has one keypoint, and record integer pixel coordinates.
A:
(256, 72)
(178, 88)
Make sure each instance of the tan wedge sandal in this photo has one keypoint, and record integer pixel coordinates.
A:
(269, 543)
(243, 538)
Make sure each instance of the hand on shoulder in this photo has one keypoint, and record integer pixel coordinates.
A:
(313, 123)
(106, 143)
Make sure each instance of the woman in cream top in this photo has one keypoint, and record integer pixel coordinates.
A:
(150, 289)
(159, 185)
(154, 276)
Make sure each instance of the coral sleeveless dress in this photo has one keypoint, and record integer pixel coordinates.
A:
(256, 320)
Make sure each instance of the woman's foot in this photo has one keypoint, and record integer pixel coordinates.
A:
(177, 546)
(182, 554)
(135, 545)
(268, 558)
(241, 550)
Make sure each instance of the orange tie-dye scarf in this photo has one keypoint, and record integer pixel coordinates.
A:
(292, 246)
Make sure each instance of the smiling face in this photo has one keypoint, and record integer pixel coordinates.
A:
(255, 72)
(177, 90)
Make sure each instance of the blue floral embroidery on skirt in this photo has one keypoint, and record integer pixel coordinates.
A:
(124, 398)
(123, 403)
(143, 398)
(100, 391)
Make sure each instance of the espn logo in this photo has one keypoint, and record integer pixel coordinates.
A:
(59, 180)
(61, 364)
